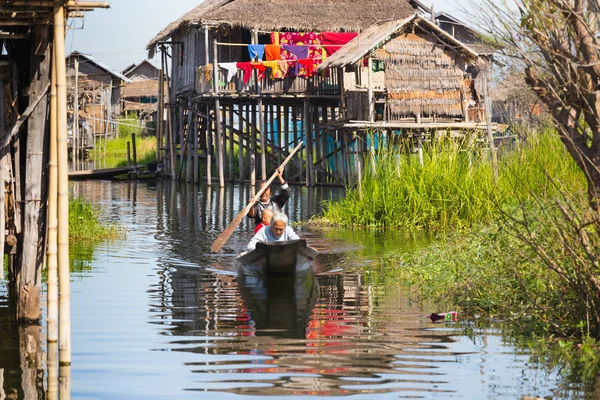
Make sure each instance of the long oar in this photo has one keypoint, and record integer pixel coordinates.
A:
(223, 237)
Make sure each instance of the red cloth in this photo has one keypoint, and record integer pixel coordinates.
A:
(260, 67)
(308, 66)
(336, 38)
(247, 68)
(259, 227)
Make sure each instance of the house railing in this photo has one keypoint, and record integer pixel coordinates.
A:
(321, 84)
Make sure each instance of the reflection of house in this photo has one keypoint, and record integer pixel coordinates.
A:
(98, 91)
(143, 70)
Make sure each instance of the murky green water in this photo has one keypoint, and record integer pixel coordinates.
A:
(157, 316)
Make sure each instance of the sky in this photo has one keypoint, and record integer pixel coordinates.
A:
(118, 36)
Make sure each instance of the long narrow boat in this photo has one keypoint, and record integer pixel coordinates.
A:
(278, 259)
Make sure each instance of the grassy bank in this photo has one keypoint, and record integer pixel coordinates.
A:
(85, 224)
(454, 188)
(116, 149)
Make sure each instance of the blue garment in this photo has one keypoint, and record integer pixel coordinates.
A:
(266, 235)
(256, 50)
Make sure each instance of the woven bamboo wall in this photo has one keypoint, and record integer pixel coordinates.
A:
(421, 78)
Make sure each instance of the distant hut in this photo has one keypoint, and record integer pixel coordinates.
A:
(141, 71)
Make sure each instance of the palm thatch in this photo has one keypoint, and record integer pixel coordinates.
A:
(305, 15)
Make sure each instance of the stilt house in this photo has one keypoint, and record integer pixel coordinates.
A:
(254, 78)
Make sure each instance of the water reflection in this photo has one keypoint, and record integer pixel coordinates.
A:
(159, 316)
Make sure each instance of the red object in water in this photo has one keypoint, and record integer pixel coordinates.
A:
(447, 316)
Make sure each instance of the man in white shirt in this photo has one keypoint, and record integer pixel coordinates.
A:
(278, 231)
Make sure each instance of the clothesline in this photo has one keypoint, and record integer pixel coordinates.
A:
(304, 45)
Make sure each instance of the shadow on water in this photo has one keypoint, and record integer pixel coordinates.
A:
(159, 316)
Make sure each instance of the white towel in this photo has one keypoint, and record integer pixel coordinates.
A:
(231, 69)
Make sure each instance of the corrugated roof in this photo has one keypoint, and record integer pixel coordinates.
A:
(378, 34)
(100, 65)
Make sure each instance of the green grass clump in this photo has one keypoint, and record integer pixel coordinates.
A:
(454, 188)
(116, 148)
(85, 224)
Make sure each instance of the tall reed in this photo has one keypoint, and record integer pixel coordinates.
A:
(454, 187)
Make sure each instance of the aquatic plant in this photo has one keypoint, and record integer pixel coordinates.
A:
(85, 223)
(455, 186)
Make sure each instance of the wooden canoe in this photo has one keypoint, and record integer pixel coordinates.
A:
(278, 259)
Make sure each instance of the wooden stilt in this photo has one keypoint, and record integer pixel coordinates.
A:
(241, 141)
(263, 144)
(278, 140)
(189, 137)
(209, 146)
(318, 176)
(347, 163)
(219, 140)
(231, 139)
(359, 164)
(196, 161)
(420, 146)
(325, 145)
(296, 140)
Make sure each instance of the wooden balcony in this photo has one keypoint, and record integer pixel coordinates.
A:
(317, 85)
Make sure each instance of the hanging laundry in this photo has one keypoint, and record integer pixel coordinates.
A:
(333, 39)
(303, 39)
(284, 65)
(272, 52)
(256, 50)
(260, 68)
(274, 67)
(230, 68)
(247, 68)
(307, 67)
(208, 72)
(297, 52)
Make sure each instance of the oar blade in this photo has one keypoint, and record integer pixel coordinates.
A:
(223, 237)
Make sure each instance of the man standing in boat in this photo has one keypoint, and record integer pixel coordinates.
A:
(278, 231)
(266, 201)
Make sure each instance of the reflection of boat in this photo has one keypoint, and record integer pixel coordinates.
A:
(278, 259)
(279, 306)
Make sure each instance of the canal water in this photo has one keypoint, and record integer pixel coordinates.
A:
(157, 316)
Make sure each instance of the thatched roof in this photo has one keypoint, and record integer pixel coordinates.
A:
(305, 15)
(378, 34)
(141, 88)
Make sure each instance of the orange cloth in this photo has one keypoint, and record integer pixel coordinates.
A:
(272, 52)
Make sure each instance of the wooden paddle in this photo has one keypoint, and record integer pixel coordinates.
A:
(223, 237)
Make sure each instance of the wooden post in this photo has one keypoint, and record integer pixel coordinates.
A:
(64, 333)
(263, 144)
(134, 148)
(208, 155)
(420, 147)
(189, 173)
(370, 91)
(253, 174)
(296, 140)
(128, 153)
(76, 139)
(347, 161)
(488, 119)
(195, 124)
(31, 260)
(160, 108)
(253, 132)
(318, 176)
(309, 142)
(359, 165)
(230, 138)
(241, 135)
(3, 178)
(219, 140)
(172, 152)
(279, 140)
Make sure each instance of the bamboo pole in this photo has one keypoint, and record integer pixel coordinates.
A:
(208, 146)
(370, 90)
(75, 150)
(230, 140)
(263, 144)
(488, 119)
(253, 174)
(64, 334)
(241, 142)
(196, 160)
(3, 177)
(188, 145)
(219, 140)
(160, 110)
